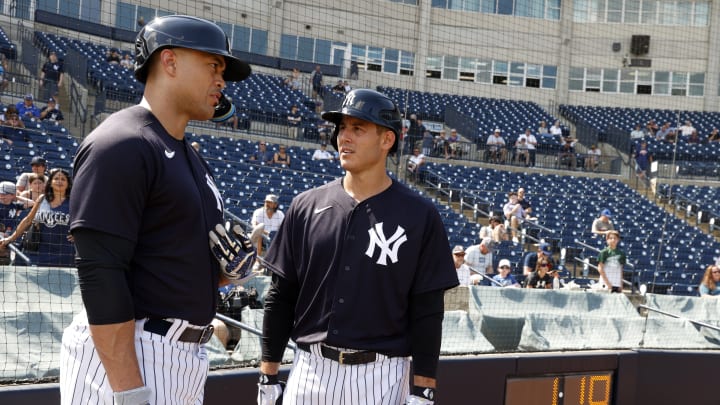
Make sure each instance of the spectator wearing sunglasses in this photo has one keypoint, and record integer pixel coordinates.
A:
(504, 277)
(710, 284)
(542, 276)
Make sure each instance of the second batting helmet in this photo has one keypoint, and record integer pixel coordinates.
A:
(368, 105)
(182, 31)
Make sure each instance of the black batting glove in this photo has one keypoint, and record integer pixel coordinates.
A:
(234, 252)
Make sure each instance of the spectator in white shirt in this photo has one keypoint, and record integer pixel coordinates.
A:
(322, 153)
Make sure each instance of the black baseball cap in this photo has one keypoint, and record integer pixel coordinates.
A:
(38, 160)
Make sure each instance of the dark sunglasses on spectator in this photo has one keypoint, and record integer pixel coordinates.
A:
(504, 267)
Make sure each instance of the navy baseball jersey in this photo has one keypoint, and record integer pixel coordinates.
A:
(362, 264)
(135, 181)
(10, 215)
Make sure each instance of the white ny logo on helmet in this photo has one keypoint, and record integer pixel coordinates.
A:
(388, 247)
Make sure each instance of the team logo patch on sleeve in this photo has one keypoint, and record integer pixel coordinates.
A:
(388, 247)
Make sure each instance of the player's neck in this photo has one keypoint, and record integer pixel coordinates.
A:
(365, 185)
(173, 122)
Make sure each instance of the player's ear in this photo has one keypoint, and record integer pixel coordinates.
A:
(167, 60)
(388, 139)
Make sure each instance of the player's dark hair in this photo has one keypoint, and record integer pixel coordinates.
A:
(49, 193)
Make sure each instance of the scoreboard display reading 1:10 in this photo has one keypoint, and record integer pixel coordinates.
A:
(593, 388)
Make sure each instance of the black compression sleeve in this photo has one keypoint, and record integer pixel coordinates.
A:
(103, 261)
(426, 316)
(278, 318)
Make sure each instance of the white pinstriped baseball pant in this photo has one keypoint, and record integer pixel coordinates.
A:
(315, 380)
(174, 371)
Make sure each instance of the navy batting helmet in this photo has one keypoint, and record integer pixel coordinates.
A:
(368, 105)
(182, 31)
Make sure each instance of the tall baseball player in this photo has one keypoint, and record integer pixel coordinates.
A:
(146, 223)
(359, 268)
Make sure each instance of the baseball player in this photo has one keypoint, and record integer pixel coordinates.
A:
(359, 267)
(150, 247)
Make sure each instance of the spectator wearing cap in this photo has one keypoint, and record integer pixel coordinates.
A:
(504, 277)
(322, 153)
(51, 112)
(531, 259)
(464, 272)
(496, 147)
(269, 217)
(27, 108)
(10, 208)
(453, 144)
(38, 165)
(480, 257)
(514, 214)
(262, 155)
(602, 224)
(51, 76)
(495, 229)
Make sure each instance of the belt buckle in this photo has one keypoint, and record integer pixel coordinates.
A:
(341, 357)
(206, 334)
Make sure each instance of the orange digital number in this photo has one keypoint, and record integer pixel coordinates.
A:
(598, 379)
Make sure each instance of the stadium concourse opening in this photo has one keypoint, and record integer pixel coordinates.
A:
(600, 105)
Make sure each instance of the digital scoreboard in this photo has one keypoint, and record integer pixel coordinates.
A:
(594, 388)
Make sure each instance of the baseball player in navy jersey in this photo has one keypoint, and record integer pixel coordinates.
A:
(359, 268)
(151, 249)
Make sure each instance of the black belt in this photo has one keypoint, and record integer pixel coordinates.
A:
(161, 327)
(340, 356)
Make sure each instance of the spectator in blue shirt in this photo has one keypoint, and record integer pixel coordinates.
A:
(262, 155)
(26, 108)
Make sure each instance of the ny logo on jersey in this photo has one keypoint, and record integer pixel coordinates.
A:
(388, 247)
(213, 187)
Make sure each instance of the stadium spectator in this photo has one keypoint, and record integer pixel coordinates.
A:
(714, 136)
(521, 149)
(11, 118)
(464, 272)
(556, 129)
(416, 165)
(531, 259)
(567, 153)
(694, 138)
(322, 153)
(532, 145)
(281, 157)
(686, 129)
(37, 166)
(353, 70)
(524, 203)
(514, 214)
(453, 144)
(495, 230)
(3, 72)
(339, 87)
(266, 220)
(113, 57)
(643, 159)
(35, 189)
(651, 128)
(611, 261)
(441, 145)
(504, 277)
(637, 133)
(710, 284)
(592, 158)
(480, 257)
(127, 62)
(262, 155)
(542, 129)
(10, 208)
(666, 133)
(496, 147)
(51, 77)
(541, 276)
(48, 241)
(27, 108)
(51, 112)
(317, 82)
(347, 86)
(294, 119)
(293, 79)
(602, 224)
(428, 142)
(325, 129)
